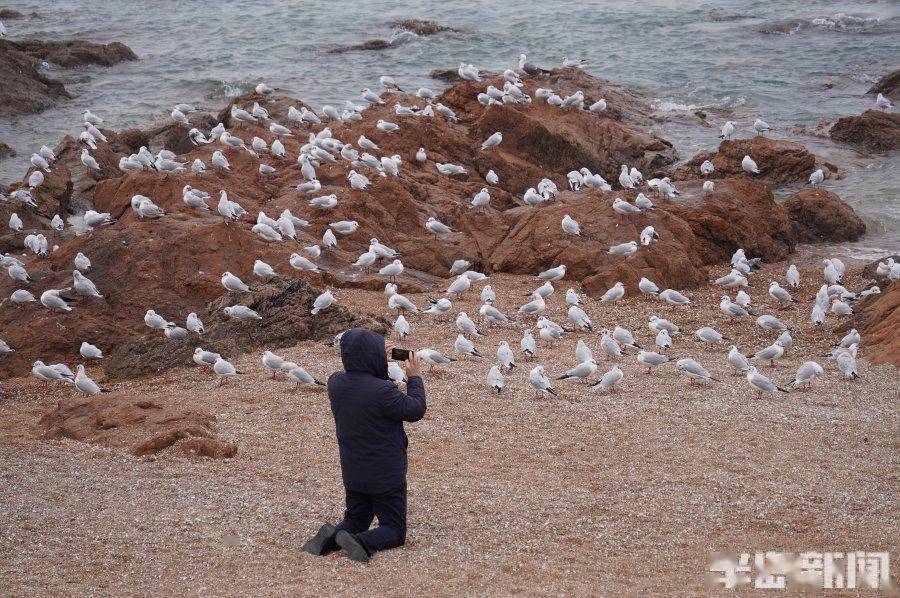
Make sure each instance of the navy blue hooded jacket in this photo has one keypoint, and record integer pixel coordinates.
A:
(369, 411)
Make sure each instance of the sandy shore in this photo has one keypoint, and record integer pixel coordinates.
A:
(591, 493)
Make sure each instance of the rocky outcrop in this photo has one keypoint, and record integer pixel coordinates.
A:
(141, 425)
(779, 161)
(421, 26)
(26, 90)
(173, 265)
(873, 130)
(889, 85)
(877, 318)
(285, 309)
(819, 215)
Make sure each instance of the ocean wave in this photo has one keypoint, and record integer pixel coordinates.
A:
(666, 105)
(838, 22)
(218, 88)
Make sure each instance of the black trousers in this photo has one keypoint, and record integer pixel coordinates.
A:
(389, 507)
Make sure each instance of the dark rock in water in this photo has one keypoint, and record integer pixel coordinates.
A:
(6, 151)
(26, 90)
(372, 44)
(889, 85)
(421, 27)
(779, 161)
(819, 215)
(9, 14)
(77, 52)
(873, 130)
(409, 29)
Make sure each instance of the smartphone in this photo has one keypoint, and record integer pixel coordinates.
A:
(400, 354)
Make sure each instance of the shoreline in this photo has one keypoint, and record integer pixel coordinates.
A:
(659, 466)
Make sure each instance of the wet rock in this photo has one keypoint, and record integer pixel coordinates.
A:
(870, 271)
(142, 426)
(26, 90)
(6, 151)
(421, 27)
(174, 136)
(372, 44)
(819, 215)
(9, 14)
(76, 52)
(889, 85)
(779, 161)
(872, 130)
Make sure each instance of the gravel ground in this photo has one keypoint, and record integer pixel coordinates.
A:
(590, 493)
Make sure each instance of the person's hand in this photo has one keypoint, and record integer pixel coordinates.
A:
(413, 366)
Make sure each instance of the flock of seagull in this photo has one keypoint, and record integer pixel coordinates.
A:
(324, 148)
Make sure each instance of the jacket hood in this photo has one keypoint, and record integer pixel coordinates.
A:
(363, 351)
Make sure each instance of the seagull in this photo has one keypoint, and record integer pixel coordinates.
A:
(540, 382)
(51, 300)
(727, 130)
(793, 276)
(572, 297)
(495, 379)
(625, 179)
(748, 165)
(465, 324)
(806, 373)
(882, 103)
(648, 287)
(224, 370)
(846, 362)
(709, 335)
(437, 227)
(609, 379)
(301, 376)
(707, 168)
(598, 106)
(83, 286)
(272, 362)
(778, 293)
(89, 351)
(616, 292)
(625, 249)
(553, 274)
(527, 345)
(234, 284)
(401, 327)
(673, 298)
(761, 126)
(322, 302)
(582, 371)
(465, 347)
(771, 323)
(624, 336)
(693, 370)
(816, 177)
(578, 317)
(492, 141)
(571, 226)
(770, 353)
(89, 160)
(459, 286)
(762, 384)
(241, 313)
(648, 235)
(45, 372)
(399, 302)
(651, 359)
(621, 206)
(389, 84)
(194, 324)
(202, 357)
(433, 357)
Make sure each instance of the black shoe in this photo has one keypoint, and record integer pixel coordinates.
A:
(323, 542)
(355, 550)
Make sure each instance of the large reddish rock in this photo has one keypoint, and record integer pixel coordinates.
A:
(873, 130)
(696, 231)
(139, 424)
(173, 265)
(819, 215)
(779, 161)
